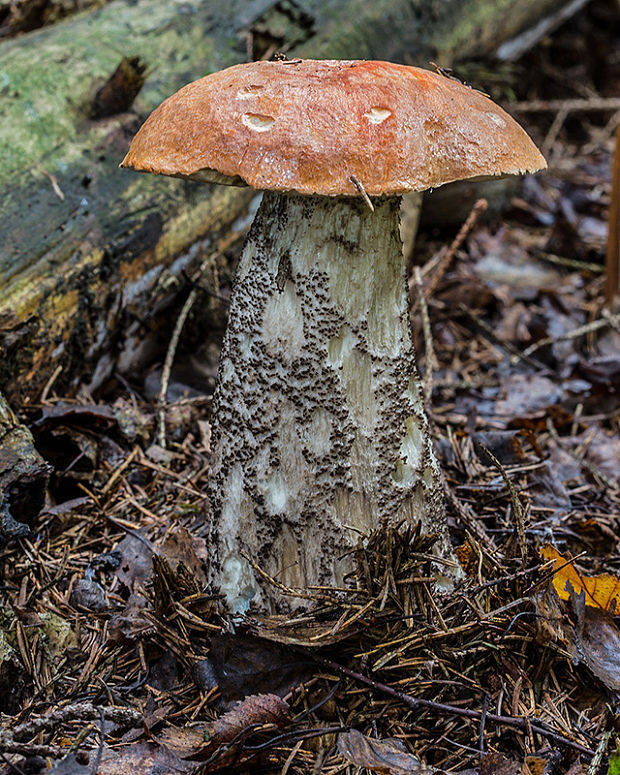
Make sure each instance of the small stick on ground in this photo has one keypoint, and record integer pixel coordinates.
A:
(172, 348)
(601, 750)
(476, 211)
(571, 263)
(165, 375)
(606, 320)
(490, 334)
(612, 264)
(516, 505)
(583, 105)
(416, 703)
(554, 131)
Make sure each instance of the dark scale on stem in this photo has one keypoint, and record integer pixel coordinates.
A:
(313, 404)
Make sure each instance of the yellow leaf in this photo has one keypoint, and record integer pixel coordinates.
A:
(601, 591)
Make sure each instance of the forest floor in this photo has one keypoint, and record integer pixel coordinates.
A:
(114, 659)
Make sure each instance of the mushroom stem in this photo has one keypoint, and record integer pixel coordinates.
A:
(319, 432)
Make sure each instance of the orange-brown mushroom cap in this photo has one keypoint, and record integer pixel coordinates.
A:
(315, 126)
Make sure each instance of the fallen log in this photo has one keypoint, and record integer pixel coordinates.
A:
(92, 258)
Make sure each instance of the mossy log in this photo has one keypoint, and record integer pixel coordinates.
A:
(93, 257)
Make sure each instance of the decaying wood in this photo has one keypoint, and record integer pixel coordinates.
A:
(91, 257)
(22, 476)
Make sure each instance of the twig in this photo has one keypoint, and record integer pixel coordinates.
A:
(289, 591)
(601, 750)
(516, 504)
(476, 211)
(19, 739)
(572, 263)
(483, 721)
(48, 385)
(119, 469)
(554, 131)
(362, 191)
(78, 710)
(291, 757)
(97, 762)
(165, 374)
(33, 749)
(174, 341)
(612, 262)
(417, 702)
(570, 106)
(490, 334)
(614, 320)
(575, 333)
(54, 181)
(12, 765)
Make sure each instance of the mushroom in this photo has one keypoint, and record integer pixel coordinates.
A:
(319, 431)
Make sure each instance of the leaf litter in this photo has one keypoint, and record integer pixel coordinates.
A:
(115, 657)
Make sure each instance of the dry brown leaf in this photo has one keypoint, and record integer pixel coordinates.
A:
(241, 660)
(142, 758)
(536, 764)
(179, 546)
(184, 742)
(278, 628)
(496, 763)
(597, 643)
(381, 756)
(592, 639)
(255, 709)
(467, 558)
(602, 591)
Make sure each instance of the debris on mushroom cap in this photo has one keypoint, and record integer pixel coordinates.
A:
(312, 126)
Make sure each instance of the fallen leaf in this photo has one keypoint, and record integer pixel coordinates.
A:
(537, 764)
(240, 661)
(69, 766)
(496, 763)
(133, 621)
(77, 414)
(597, 642)
(88, 593)
(142, 758)
(527, 394)
(311, 634)
(381, 756)
(577, 768)
(180, 547)
(255, 709)
(468, 559)
(208, 744)
(136, 566)
(586, 633)
(602, 591)
(184, 742)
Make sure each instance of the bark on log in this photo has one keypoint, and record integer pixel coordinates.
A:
(91, 257)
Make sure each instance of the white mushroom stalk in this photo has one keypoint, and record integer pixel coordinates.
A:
(319, 433)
